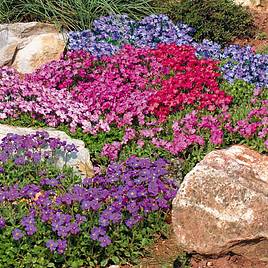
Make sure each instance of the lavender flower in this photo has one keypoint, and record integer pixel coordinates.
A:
(62, 246)
(2, 223)
(52, 245)
(105, 241)
(17, 234)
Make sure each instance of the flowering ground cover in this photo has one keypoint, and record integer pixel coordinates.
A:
(136, 92)
(51, 218)
(108, 34)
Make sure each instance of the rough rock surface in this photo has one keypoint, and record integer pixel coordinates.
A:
(40, 50)
(222, 205)
(27, 46)
(249, 2)
(80, 162)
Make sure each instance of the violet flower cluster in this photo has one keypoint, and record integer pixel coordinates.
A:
(238, 63)
(126, 194)
(33, 148)
(108, 34)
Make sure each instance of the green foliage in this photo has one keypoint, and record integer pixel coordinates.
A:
(183, 261)
(71, 14)
(263, 50)
(261, 36)
(216, 20)
(242, 93)
(128, 244)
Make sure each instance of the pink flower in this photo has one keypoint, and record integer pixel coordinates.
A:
(140, 143)
(111, 150)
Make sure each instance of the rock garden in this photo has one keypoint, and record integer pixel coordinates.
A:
(133, 126)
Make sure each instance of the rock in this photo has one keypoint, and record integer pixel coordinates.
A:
(18, 31)
(27, 46)
(80, 162)
(248, 2)
(42, 49)
(7, 53)
(222, 205)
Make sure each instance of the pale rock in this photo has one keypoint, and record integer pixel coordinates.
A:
(40, 50)
(22, 30)
(27, 46)
(252, 3)
(222, 205)
(80, 161)
(7, 53)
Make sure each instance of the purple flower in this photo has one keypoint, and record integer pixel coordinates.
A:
(36, 157)
(97, 232)
(2, 223)
(30, 190)
(71, 148)
(52, 245)
(105, 241)
(62, 246)
(3, 157)
(74, 228)
(20, 161)
(49, 182)
(104, 221)
(132, 193)
(80, 219)
(30, 229)
(27, 220)
(17, 234)
(133, 220)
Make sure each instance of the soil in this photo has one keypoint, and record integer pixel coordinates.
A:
(227, 262)
(261, 22)
(163, 254)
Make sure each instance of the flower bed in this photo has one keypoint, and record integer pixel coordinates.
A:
(135, 92)
(47, 213)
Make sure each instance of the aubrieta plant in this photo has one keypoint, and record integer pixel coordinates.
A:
(34, 151)
(138, 90)
(108, 34)
(130, 85)
(51, 218)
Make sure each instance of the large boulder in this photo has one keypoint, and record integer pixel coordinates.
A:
(80, 161)
(27, 46)
(222, 205)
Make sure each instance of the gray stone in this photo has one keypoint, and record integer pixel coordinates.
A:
(81, 162)
(7, 53)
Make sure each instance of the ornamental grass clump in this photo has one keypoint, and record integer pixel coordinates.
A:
(50, 217)
(72, 14)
